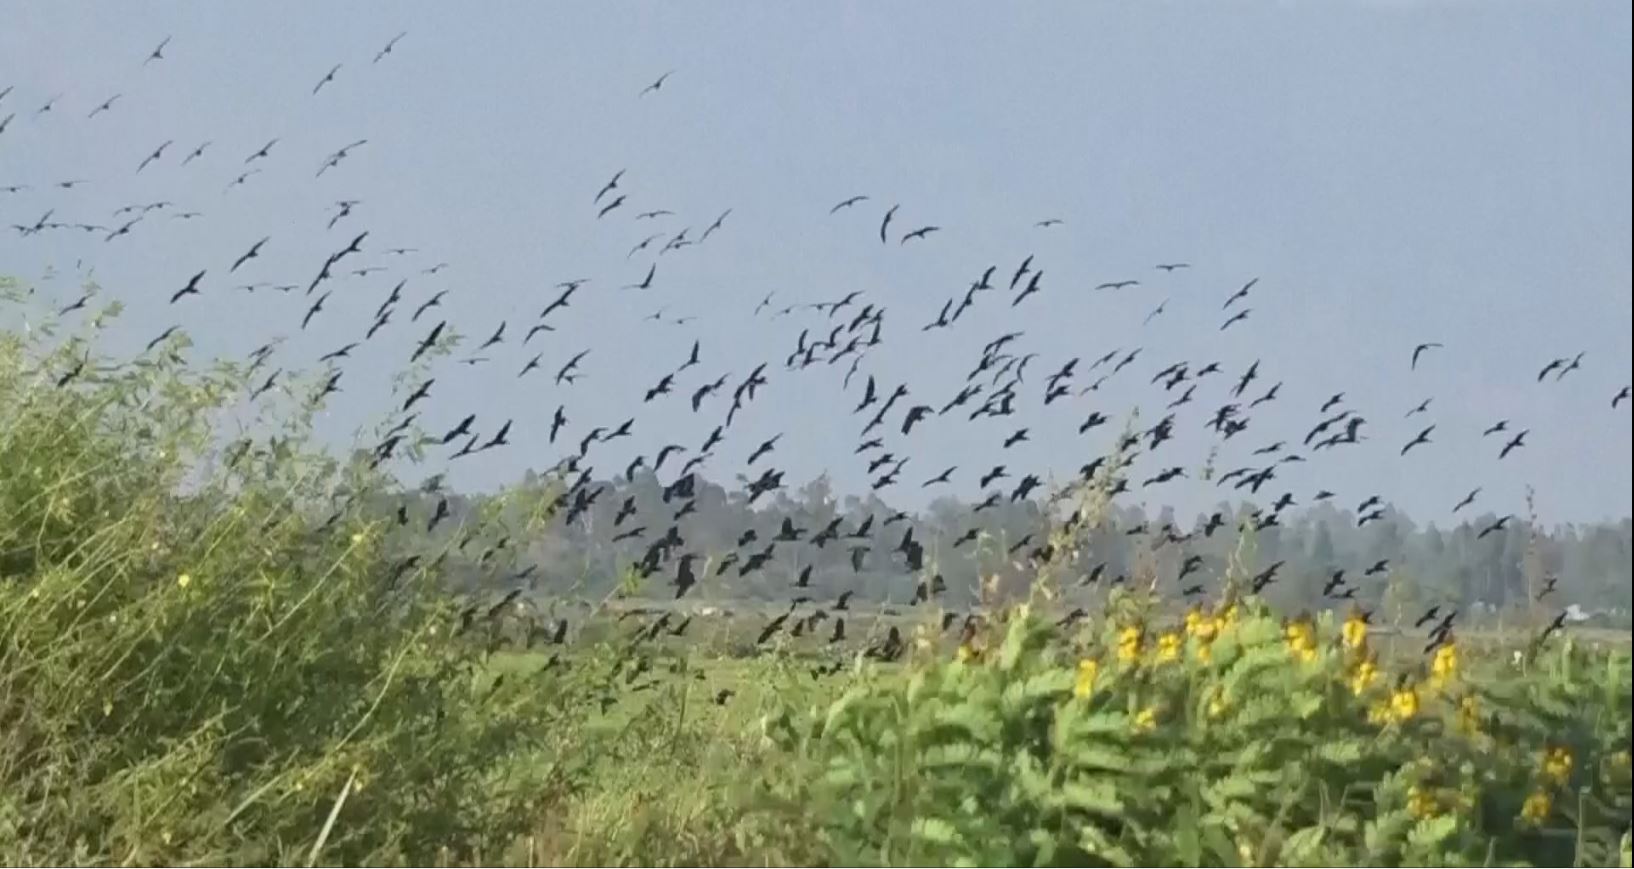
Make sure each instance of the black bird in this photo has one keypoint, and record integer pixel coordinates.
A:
(313, 311)
(1240, 294)
(1494, 527)
(1558, 623)
(921, 232)
(1031, 288)
(656, 85)
(158, 52)
(765, 448)
(940, 478)
(1518, 441)
(565, 374)
(327, 78)
(1468, 499)
(848, 203)
(646, 282)
(1235, 318)
(684, 577)
(387, 49)
(157, 153)
(1499, 426)
(1419, 351)
(887, 222)
(263, 152)
(438, 515)
(915, 414)
(192, 288)
(1422, 438)
(341, 353)
(1622, 394)
(1575, 363)
(252, 253)
(428, 342)
(610, 186)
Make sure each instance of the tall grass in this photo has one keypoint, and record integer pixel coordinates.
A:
(225, 652)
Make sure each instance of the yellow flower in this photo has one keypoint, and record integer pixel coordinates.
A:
(965, 653)
(1168, 647)
(1404, 703)
(1129, 644)
(1378, 713)
(1228, 619)
(1146, 720)
(1445, 664)
(183, 580)
(1194, 617)
(1366, 674)
(1217, 703)
(1354, 632)
(1536, 808)
(1300, 637)
(1088, 669)
(1205, 652)
(357, 538)
(1421, 803)
(1557, 764)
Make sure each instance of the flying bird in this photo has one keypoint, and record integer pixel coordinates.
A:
(1419, 351)
(158, 52)
(389, 46)
(327, 78)
(656, 85)
(887, 222)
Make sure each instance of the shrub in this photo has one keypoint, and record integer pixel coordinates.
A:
(1230, 739)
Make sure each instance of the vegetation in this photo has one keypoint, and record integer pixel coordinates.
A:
(227, 651)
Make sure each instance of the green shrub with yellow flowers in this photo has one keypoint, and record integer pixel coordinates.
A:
(1230, 737)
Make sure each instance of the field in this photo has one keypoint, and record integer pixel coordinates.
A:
(239, 663)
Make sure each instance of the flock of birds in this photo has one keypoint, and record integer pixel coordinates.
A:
(834, 334)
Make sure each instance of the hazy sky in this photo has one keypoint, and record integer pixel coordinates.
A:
(1392, 172)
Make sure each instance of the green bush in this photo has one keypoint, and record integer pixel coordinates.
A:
(198, 666)
(1229, 740)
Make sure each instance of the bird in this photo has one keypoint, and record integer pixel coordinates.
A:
(1419, 351)
(1516, 442)
(252, 253)
(921, 232)
(158, 52)
(327, 78)
(261, 153)
(883, 224)
(157, 153)
(191, 289)
(389, 46)
(656, 85)
(847, 203)
(1494, 527)
(1620, 397)
(1423, 437)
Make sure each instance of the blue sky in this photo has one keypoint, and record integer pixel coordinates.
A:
(1392, 172)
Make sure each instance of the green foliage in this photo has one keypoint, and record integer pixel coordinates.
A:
(1229, 743)
(189, 671)
(221, 653)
